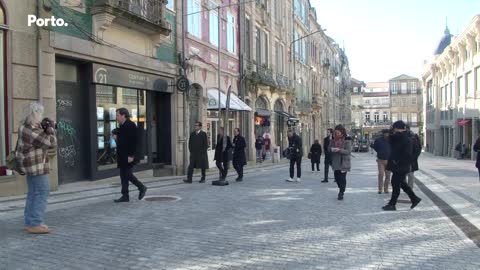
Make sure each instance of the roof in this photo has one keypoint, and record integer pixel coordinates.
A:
(444, 42)
(372, 85)
(403, 77)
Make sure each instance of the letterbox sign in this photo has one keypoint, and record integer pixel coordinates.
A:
(103, 74)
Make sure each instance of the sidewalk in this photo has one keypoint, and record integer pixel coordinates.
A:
(111, 186)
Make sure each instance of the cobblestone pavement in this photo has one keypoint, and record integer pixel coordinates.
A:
(261, 223)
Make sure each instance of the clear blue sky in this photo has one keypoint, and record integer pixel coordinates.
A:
(386, 38)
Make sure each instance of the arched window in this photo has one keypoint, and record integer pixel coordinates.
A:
(3, 85)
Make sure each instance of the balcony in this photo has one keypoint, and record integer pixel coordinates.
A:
(266, 76)
(146, 16)
(283, 82)
(377, 124)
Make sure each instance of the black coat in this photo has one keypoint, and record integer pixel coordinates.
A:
(326, 147)
(401, 154)
(416, 151)
(476, 148)
(295, 145)
(239, 146)
(315, 153)
(219, 156)
(127, 140)
(198, 145)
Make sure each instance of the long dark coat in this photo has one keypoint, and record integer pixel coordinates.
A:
(315, 153)
(416, 150)
(239, 146)
(476, 148)
(295, 145)
(127, 140)
(198, 145)
(219, 156)
(401, 154)
(326, 147)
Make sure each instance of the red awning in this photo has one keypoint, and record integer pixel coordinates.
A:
(463, 122)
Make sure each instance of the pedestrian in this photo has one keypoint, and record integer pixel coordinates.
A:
(476, 148)
(416, 151)
(382, 147)
(341, 148)
(127, 140)
(198, 146)
(463, 151)
(295, 148)
(239, 157)
(458, 150)
(400, 164)
(222, 153)
(259, 148)
(266, 143)
(35, 137)
(315, 154)
(328, 155)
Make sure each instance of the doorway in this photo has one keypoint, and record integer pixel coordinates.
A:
(160, 139)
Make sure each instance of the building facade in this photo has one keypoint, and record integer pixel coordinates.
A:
(376, 109)
(452, 92)
(407, 101)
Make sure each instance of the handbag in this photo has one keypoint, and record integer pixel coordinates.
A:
(12, 162)
(309, 155)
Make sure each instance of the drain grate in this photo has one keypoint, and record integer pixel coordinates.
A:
(161, 198)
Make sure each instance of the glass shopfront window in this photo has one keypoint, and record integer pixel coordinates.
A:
(108, 100)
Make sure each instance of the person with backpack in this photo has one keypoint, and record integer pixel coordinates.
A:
(416, 151)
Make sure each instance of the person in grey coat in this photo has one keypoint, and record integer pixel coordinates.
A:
(197, 145)
(340, 148)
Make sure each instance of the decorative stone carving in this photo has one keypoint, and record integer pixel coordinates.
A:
(101, 22)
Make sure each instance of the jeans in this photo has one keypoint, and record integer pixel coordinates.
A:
(190, 172)
(398, 181)
(383, 173)
(36, 203)
(126, 176)
(318, 166)
(341, 179)
(259, 154)
(222, 168)
(297, 160)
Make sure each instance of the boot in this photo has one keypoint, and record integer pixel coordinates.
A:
(122, 199)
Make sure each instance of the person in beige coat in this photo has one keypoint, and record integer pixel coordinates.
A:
(340, 148)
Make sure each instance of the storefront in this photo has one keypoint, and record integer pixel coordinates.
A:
(86, 119)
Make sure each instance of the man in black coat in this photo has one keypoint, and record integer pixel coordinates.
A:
(295, 147)
(239, 158)
(400, 164)
(222, 153)
(198, 146)
(126, 137)
(328, 155)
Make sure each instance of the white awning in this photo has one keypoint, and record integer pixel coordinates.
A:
(235, 103)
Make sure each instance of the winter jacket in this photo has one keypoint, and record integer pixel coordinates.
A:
(382, 147)
(220, 154)
(127, 140)
(315, 153)
(295, 145)
(476, 148)
(341, 160)
(326, 147)
(401, 155)
(239, 146)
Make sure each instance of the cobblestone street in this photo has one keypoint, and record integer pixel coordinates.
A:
(262, 223)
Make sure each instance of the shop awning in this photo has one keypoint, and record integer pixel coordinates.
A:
(288, 116)
(262, 112)
(236, 104)
(463, 122)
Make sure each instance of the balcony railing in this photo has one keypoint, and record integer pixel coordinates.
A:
(377, 124)
(266, 76)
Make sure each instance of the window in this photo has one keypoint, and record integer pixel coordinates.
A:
(282, 59)
(194, 6)
(467, 81)
(451, 91)
(441, 95)
(414, 100)
(170, 5)
(278, 57)
(413, 117)
(258, 44)
(394, 88)
(404, 87)
(214, 35)
(460, 86)
(266, 46)
(247, 39)
(413, 89)
(376, 117)
(404, 117)
(231, 33)
(367, 116)
(394, 117)
(385, 116)
(404, 102)
(394, 102)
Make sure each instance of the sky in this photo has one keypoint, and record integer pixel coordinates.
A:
(387, 38)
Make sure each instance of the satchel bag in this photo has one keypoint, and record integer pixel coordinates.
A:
(310, 155)
(12, 162)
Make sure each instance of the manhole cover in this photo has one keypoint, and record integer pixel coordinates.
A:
(404, 201)
(161, 198)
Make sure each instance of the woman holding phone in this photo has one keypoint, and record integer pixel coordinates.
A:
(340, 149)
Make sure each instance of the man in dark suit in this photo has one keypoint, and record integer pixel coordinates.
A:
(197, 145)
(239, 158)
(222, 149)
(126, 137)
(295, 146)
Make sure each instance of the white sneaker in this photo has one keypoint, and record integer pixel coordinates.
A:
(299, 180)
(290, 180)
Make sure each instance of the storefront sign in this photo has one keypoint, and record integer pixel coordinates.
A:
(103, 74)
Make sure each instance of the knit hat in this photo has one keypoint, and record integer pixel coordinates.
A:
(399, 125)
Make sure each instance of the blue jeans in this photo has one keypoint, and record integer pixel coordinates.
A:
(38, 189)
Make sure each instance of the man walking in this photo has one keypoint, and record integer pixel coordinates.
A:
(222, 149)
(239, 158)
(382, 147)
(295, 146)
(328, 154)
(197, 145)
(400, 163)
(126, 137)
(259, 148)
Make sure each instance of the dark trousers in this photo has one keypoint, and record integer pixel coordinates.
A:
(297, 160)
(398, 181)
(341, 179)
(222, 168)
(327, 166)
(127, 176)
(191, 166)
(239, 168)
(313, 166)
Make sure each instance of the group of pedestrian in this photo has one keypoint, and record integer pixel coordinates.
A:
(262, 147)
